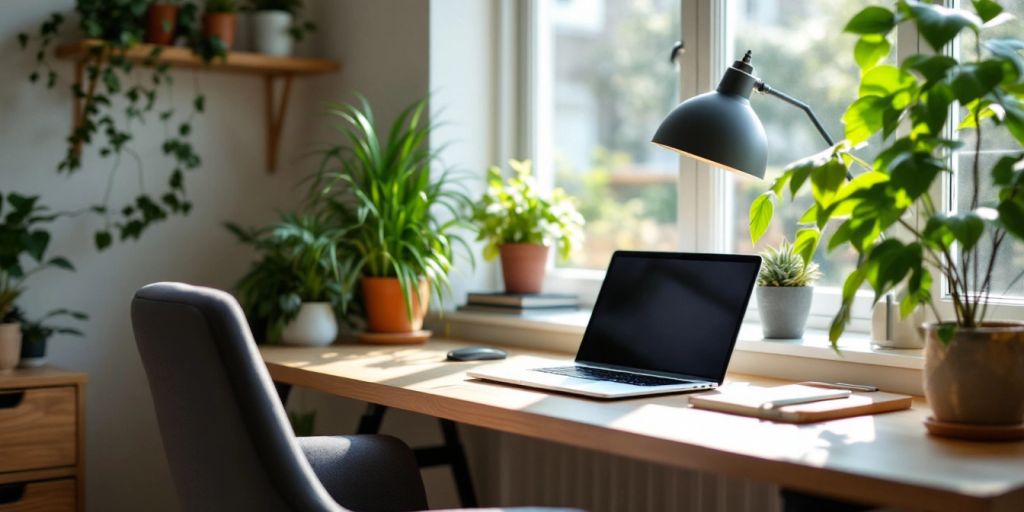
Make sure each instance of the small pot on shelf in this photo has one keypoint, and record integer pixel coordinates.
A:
(161, 23)
(523, 267)
(975, 378)
(387, 319)
(220, 25)
(784, 310)
(314, 326)
(33, 353)
(270, 32)
(10, 346)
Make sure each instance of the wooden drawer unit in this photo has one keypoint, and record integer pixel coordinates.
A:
(42, 440)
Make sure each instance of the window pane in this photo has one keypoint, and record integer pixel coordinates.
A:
(610, 87)
(995, 143)
(798, 48)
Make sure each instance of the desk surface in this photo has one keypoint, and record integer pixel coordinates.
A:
(886, 458)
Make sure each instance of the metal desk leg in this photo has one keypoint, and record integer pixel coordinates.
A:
(796, 501)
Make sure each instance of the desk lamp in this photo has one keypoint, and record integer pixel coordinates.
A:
(720, 128)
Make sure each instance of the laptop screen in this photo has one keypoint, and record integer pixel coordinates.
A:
(670, 312)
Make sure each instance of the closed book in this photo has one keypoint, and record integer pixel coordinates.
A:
(751, 400)
(523, 300)
(510, 310)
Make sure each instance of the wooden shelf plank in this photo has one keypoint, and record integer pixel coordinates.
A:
(238, 62)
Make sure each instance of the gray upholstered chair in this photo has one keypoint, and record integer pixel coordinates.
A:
(225, 433)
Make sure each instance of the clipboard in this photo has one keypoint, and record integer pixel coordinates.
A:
(748, 401)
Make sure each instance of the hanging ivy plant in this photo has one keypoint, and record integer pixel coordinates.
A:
(117, 96)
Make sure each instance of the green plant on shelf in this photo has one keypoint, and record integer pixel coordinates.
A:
(116, 101)
(515, 212)
(783, 266)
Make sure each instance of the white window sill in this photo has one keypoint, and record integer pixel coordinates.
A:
(859, 360)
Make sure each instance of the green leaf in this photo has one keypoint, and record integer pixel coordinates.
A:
(61, 262)
(987, 9)
(1011, 216)
(931, 67)
(826, 180)
(972, 81)
(864, 117)
(871, 20)
(23, 39)
(937, 24)
(870, 50)
(885, 81)
(946, 332)
(1008, 50)
(761, 211)
(936, 110)
(806, 243)
(1005, 171)
(103, 240)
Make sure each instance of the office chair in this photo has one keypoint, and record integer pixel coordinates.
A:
(227, 438)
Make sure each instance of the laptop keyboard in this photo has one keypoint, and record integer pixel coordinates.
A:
(584, 372)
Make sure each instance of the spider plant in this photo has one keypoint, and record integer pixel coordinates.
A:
(400, 210)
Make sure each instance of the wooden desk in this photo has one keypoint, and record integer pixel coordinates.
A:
(886, 459)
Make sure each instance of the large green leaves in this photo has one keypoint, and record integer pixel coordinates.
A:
(871, 20)
(761, 211)
(937, 24)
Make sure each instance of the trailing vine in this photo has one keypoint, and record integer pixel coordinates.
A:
(116, 96)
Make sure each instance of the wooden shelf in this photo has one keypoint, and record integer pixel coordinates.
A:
(238, 62)
(271, 68)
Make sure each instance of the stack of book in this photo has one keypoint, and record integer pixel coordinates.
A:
(519, 303)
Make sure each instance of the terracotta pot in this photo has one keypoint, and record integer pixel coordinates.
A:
(523, 267)
(385, 305)
(976, 377)
(161, 23)
(10, 346)
(221, 25)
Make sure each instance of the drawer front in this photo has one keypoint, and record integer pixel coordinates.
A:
(48, 496)
(37, 428)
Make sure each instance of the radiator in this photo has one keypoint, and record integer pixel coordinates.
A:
(531, 472)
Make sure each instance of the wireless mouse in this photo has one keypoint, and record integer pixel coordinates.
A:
(476, 354)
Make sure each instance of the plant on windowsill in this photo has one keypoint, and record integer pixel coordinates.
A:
(23, 244)
(299, 286)
(520, 225)
(274, 25)
(973, 364)
(784, 291)
(116, 101)
(400, 214)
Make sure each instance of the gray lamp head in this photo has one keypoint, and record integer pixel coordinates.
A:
(719, 127)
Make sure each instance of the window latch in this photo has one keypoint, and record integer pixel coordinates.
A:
(677, 49)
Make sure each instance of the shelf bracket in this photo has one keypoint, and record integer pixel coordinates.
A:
(276, 107)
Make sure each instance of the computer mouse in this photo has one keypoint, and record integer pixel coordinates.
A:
(476, 354)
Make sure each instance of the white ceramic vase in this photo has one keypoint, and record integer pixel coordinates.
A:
(315, 326)
(784, 310)
(269, 32)
(10, 346)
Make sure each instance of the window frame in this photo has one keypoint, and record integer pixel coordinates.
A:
(704, 197)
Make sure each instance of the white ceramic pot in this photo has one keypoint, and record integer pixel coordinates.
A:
(10, 346)
(784, 310)
(315, 326)
(269, 32)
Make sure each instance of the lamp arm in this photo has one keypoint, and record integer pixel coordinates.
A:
(767, 89)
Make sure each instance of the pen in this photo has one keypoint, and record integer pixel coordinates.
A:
(782, 402)
(842, 385)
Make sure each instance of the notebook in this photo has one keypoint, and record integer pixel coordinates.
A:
(749, 400)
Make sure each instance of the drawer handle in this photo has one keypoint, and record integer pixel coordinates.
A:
(11, 399)
(12, 493)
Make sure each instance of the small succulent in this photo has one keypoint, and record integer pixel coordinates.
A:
(783, 266)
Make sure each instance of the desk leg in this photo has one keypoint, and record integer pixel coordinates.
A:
(796, 501)
(451, 453)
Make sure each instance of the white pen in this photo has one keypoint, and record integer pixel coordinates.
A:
(842, 385)
(782, 402)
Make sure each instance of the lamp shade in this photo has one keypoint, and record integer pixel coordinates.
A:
(720, 127)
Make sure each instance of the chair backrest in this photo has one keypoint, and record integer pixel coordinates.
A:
(224, 430)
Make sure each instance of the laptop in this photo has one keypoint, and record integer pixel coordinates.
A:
(663, 322)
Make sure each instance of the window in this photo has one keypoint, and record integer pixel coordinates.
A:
(603, 85)
(1010, 258)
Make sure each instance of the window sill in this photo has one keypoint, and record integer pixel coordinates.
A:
(859, 360)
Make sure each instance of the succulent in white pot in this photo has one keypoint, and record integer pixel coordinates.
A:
(785, 291)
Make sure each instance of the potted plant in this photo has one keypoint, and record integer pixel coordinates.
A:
(24, 243)
(219, 21)
(299, 282)
(161, 22)
(973, 364)
(784, 291)
(35, 334)
(274, 27)
(400, 214)
(520, 225)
